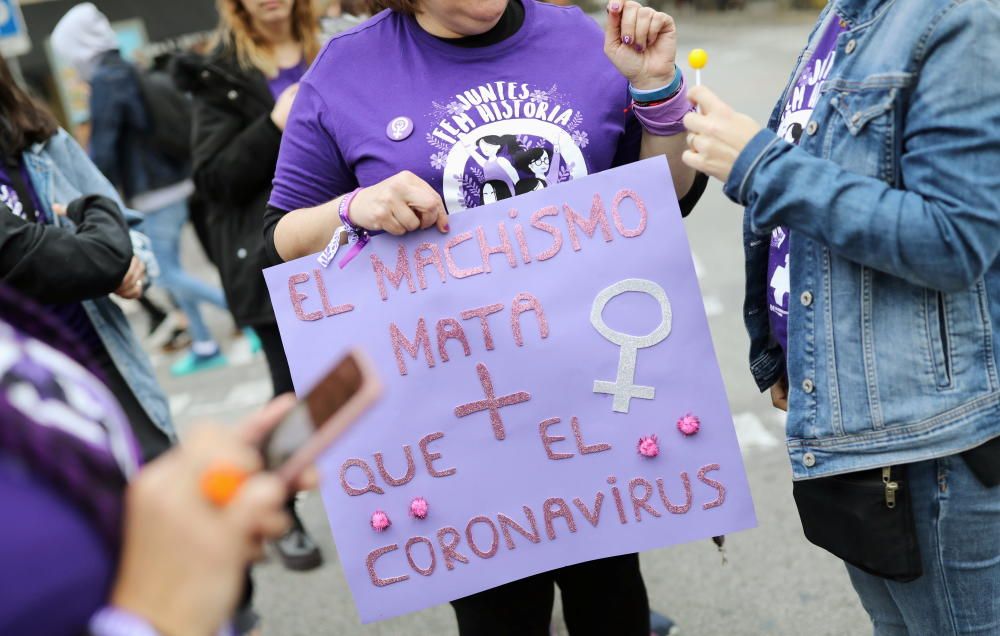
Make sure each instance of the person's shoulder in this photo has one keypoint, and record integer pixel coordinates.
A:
(565, 17)
(364, 39)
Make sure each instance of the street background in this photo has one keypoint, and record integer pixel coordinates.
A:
(774, 581)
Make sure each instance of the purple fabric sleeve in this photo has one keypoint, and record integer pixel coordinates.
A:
(310, 169)
(667, 118)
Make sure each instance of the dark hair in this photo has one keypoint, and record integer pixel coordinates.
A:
(527, 184)
(509, 142)
(522, 160)
(23, 121)
(409, 7)
(501, 187)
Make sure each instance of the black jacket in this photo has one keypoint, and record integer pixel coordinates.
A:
(235, 148)
(60, 264)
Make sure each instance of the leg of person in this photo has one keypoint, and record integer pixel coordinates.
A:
(297, 549)
(522, 607)
(877, 600)
(958, 530)
(593, 606)
(152, 441)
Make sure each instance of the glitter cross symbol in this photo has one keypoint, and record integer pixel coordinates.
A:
(492, 403)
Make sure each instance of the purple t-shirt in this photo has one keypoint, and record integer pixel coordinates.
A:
(285, 78)
(799, 107)
(10, 197)
(478, 124)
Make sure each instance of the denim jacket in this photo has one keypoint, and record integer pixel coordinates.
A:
(60, 171)
(892, 198)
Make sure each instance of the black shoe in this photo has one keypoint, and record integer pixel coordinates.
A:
(297, 549)
(662, 625)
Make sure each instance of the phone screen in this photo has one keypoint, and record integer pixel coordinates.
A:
(331, 393)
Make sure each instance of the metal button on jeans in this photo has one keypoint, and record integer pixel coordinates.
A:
(806, 298)
(808, 460)
(812, 128)
(851, 45)
(808, 386)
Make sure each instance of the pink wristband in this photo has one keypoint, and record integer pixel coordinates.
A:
(667, 118)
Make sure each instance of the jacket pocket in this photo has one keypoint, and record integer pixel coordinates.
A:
(866, 111)
(939, 336)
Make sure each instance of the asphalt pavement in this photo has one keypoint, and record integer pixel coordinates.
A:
(773, 581)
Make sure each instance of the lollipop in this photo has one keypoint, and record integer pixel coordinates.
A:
(697, 58)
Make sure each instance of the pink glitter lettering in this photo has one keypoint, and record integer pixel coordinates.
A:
(547, 439)
(597, 217)
(507, 524)
(522, 244)
(374, 556)
(721, 499)
(328, 309)
(395, 277)
(411, 468)
(641, 503)
(448, 329)
(430, 549)
(454, 269)
(363, 465)
(448, 550)
(592, 517)
(430, 458)
(432, 257)
(483, 313)
(560, 510)
(400, 343)
(671, 508)
(584, 448)
(492, 403)
(526, 302)
(616, 213)
(557, 239)
(297, 297)
(618, 499)
(486, 250)
(494, 545)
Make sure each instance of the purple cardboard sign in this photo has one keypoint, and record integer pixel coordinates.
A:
(524, 356)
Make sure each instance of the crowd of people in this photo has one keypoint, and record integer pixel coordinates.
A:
(872, 240)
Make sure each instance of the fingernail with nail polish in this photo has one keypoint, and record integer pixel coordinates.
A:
(626, 40)
(638, 47)
(615, 6)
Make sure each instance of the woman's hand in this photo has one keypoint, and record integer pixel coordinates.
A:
(718, 134)
(135, 278)
(641, 43)
(283, 106)
(402, 203)
(184, 559)
(779, 394)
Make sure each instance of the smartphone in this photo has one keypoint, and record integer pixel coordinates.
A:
(329, 408)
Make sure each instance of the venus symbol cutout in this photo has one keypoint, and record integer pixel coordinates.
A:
(624, 388)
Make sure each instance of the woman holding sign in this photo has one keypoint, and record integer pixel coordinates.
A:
(397, 142)
(873, 297)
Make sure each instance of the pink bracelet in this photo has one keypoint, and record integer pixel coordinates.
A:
(667, 118)
(358, 236)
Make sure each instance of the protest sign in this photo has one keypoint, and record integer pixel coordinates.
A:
(529, 357)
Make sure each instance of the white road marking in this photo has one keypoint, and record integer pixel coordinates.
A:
(179, 404)
(241, 396)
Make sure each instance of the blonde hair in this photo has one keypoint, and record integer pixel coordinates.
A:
(236, 30)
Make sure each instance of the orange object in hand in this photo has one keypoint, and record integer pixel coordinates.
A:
(221, 482)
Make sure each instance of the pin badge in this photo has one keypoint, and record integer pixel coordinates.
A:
(399, 128)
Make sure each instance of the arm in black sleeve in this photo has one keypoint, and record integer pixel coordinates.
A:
(233, 163)
(271, 217)
(689, 200)
(60, 264)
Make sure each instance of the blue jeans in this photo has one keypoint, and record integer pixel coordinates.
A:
(163, 227)
(958, 529)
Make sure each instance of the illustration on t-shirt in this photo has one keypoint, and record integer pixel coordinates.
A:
(501, 139)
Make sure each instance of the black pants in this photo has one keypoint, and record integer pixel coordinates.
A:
(274, 352)
(152, 441)
(603, 597)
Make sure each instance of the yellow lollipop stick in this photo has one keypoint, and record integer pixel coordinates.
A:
(697, 58)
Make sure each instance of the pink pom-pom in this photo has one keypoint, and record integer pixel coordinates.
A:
(418, 508)
(380, 521)
(649, 446)
(689, 424)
